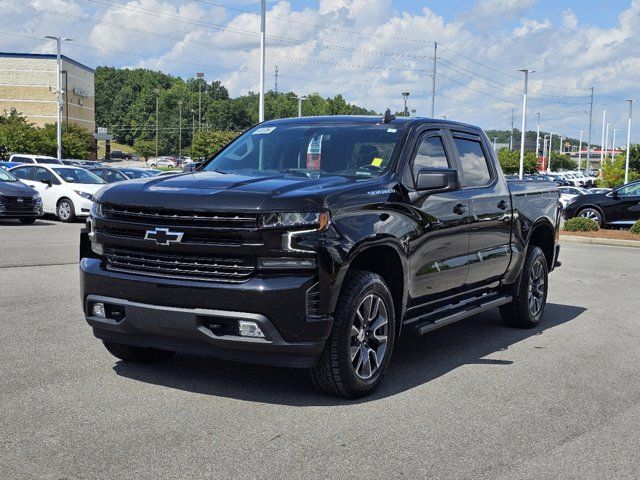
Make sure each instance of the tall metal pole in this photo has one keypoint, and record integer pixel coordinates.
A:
(544, 150)
(180, 128)
(433, 80)
(550, 151)
(494, 145)
(626, 166)
(538, 136)
(512, 117)
(300, 99)
(200, 105)
(613, 144)
(580, 150)
(589, 139)
(58, 90)
(561, 140)
(604, 123)
(606, 145)
(524, 119)
(157, 90)
(263, 38)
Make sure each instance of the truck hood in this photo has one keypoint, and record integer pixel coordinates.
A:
(215, 191)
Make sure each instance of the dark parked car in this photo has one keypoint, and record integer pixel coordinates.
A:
(112, 175)
(119, 155)
(617, 207)
(314, 243)
(18, 200)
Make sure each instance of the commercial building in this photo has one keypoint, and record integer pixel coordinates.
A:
(28, 84)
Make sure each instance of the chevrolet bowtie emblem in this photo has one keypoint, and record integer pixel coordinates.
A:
(163, 236)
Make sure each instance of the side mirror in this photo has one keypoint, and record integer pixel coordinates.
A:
(47, 181)
(436, 180)
(615, 195)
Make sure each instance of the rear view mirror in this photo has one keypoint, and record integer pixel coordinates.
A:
(433, 180)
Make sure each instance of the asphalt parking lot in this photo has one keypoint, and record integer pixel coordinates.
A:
(473, 400)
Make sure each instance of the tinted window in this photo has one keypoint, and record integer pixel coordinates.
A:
(475, 169)
(22, 172)
(632, 190)
(48, 160)
(430, 154)
(43, 174)
(6, 176)
(22, 160)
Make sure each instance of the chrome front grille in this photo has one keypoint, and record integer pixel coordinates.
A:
(179, 265)
(13, 204)
(170, 217)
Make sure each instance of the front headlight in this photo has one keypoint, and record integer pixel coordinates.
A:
(85, 195)
(96, 209)
(296, 219)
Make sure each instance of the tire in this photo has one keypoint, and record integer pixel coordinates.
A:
(129, 353)
(527, 307)
(592, 213)
(65, 211)
(27, 220)
(357, 353)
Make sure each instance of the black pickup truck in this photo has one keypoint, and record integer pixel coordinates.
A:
(315, 243)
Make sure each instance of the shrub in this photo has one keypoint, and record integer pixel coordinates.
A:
(581, 224)
(635, 228)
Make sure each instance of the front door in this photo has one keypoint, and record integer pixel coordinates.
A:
(626, 209)
(438, 257)
(490, 203)
(48, 191)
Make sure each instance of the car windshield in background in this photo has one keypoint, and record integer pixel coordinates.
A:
(135, 173)
(352, 150)
(77, 175)
(48, 160)
(6, 176)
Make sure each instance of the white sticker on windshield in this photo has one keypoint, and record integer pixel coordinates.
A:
(392, 130)
(264, 131)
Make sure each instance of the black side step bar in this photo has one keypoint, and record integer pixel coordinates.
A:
(430, 323)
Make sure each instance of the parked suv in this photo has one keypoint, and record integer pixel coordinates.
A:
(17, 200)
(315, 243)
(25, 158)
(119, 155)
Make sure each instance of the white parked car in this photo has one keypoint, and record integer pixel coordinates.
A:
(66, 191)
(162, 162)
(26, 158)
(567, 194)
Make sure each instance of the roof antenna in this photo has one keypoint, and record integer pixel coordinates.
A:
(388, 117)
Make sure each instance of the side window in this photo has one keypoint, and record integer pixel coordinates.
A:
(430, 154)
(25, 160)
(43, 174)
(475, 169)
(632, 190)
(23, 173)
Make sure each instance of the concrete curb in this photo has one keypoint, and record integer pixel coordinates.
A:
(601, 241)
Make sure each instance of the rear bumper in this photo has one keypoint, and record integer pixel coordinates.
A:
(201, 318)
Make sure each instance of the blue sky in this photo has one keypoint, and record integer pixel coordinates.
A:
(368, 50)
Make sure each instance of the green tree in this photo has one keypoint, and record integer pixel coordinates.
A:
(206, 143)
(562, 162)
(612, 174)
(144, 148)
(510, 161)
(17, 135)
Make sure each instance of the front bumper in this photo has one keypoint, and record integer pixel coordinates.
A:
(201, 317)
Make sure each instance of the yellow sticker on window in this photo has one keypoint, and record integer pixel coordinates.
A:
(376, 162)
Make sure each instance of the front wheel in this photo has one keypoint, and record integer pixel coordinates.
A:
(65, 211)
(359, 348)
(527, 307)
(592, 214)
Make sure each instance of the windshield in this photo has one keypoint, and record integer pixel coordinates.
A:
(6, 176)
(134, 173)
(77, 175)
(352, 150)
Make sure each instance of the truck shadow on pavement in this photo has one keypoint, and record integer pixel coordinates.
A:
(417, 361)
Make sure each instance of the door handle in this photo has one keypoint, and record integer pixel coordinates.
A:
(459, 209)
(502, 205)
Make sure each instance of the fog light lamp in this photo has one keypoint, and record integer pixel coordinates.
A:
(249, 329)
(98, 310)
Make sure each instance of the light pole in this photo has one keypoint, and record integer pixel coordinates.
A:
(263, 40)
(626, 166)
(544, 150)
(199, 76)
(538, 135)
(550, 151)
(59, 89)
(604, 122)
(613, 144)
(180, 128)
(494, 145)
(580, 150)
(157, 90)
(561, 140)
(405, 96)
(300, 99)
(606, 144)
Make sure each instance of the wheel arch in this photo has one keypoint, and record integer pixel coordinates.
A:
(589, 205)
(543, 235)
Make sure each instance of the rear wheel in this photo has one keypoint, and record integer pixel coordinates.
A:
(527, 307)
(65, 210)
(129, 353)
(359, 348)
(591, 213)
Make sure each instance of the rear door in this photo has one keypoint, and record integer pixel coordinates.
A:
(490, 205)
(438, 260)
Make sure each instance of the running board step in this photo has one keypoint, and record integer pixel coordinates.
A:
(434, 322)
